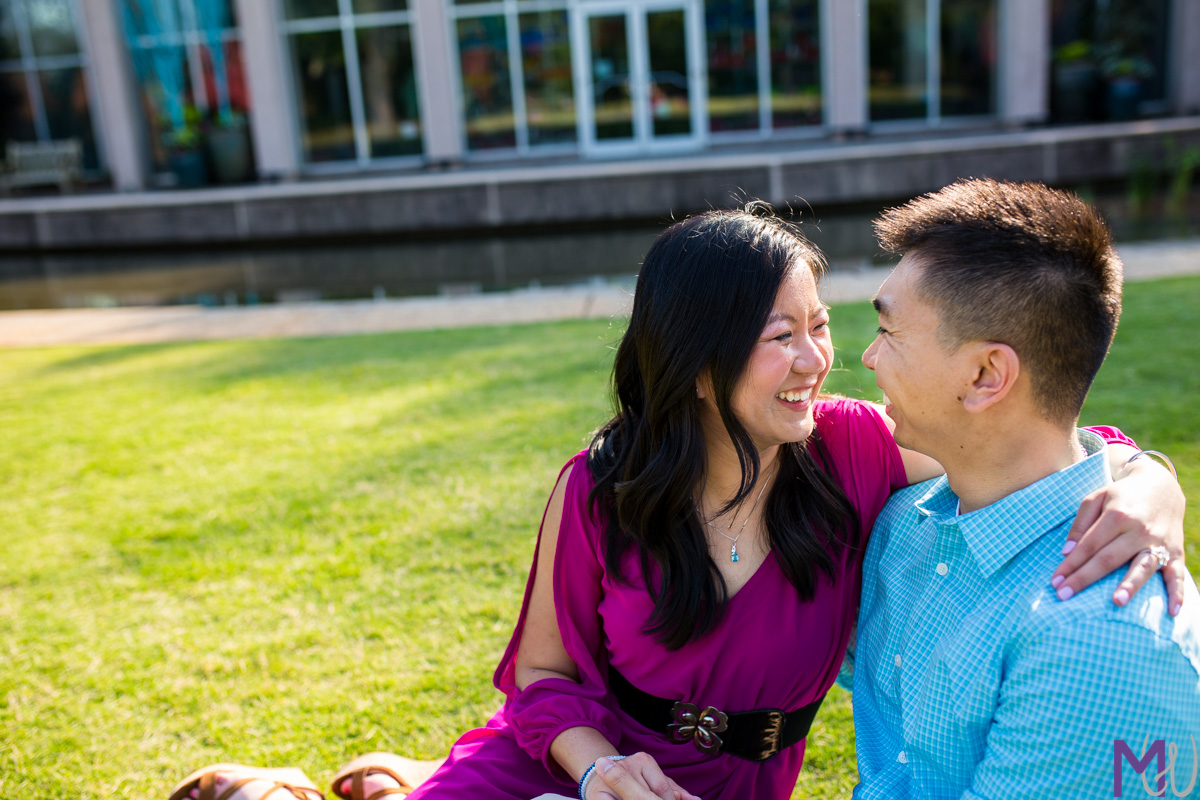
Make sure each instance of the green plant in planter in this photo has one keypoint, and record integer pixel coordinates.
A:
(1074, 52)
(185, 151)
(1117, 67)
(1075, 82)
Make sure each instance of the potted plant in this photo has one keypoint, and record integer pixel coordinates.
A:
(1124, 74)
(1075, 80)
(1124, 29)
(185, 152)
(229, 149)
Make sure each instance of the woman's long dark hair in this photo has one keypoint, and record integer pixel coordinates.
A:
(703, 295)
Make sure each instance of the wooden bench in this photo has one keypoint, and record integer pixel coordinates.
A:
(42, 164)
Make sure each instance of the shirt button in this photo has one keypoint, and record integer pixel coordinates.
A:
(942, 569)
(897, 660)
(902, 758)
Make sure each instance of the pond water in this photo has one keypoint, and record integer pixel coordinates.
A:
(454, 265)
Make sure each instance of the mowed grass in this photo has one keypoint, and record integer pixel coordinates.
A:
(293, 552)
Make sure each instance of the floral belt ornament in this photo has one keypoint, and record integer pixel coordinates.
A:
(701, 727)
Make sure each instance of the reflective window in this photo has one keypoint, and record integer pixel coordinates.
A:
(304, 9)
(320, 68)
(65, 95)
(17, 123)
(1110, 59)
(731, 44)
(515, 75)
(899, 59)
(378, 6)
(914, 78)
(613, 100)
(43, 76)
(385, 59)
(968, 65)
(764, 74)
(795, 63)
(52, 28)
(670, 101)
(187, 55)
(486, 84)
(355, 79)
(546, 67)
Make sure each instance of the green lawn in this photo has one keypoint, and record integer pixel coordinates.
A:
(292, 552)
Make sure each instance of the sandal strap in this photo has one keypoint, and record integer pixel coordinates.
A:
(208, 788)
(358, 789)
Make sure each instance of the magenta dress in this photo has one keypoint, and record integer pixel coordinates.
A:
(770, 650)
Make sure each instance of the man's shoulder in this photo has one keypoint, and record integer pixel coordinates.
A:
(1092, 619)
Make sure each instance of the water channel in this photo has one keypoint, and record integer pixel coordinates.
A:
(455, 264)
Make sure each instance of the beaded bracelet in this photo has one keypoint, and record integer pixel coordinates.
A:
(1163, 456)
(588, 775)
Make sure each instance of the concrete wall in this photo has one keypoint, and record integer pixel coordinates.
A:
(494, 199)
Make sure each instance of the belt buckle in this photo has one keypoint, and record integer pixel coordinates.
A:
(700, 726)
(772, 741)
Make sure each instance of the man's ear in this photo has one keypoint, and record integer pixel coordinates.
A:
(997, 368)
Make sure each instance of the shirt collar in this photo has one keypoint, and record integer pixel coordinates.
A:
(998, 532)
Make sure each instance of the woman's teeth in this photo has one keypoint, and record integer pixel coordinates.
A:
(795, 397)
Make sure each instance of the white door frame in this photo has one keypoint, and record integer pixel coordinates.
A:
(643, 140)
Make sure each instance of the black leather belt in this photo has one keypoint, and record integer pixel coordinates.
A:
(752, 735)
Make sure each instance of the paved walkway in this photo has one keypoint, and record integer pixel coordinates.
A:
(1143, 261)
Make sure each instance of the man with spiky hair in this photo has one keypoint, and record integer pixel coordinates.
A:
(975, 676)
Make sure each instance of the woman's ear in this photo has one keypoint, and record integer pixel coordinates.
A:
(997, 368)
(703, 385)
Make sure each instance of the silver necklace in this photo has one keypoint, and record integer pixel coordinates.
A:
(733, 553)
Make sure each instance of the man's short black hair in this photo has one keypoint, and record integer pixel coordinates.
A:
(1018, 263)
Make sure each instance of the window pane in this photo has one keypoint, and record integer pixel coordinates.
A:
(167, 99)
(16, 112)
(52, 28)
(214, 15)
(1074, 74)
(732, 65)
(612, 100)
(968, 33)
(64, 94)
(896, 33)
(670, 98)
(389, 91)
(10, 45)
(549, 90)
(235, 77)
(376, 6)
(302, 9)
(1132, 40)
(487, 93)
(795, 63)
(320, 65)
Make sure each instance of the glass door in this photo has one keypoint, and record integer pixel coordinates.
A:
(639, 77)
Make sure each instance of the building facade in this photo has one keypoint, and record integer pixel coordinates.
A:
(194, 92)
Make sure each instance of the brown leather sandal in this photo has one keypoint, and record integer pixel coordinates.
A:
(388, 764)
(287, 783)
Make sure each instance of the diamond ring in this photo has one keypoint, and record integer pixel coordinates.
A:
(1161, 555)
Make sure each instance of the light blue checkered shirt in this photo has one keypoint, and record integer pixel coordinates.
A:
(971, 679)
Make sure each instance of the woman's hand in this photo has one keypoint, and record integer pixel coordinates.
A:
(1116, 525)
(637, 777)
